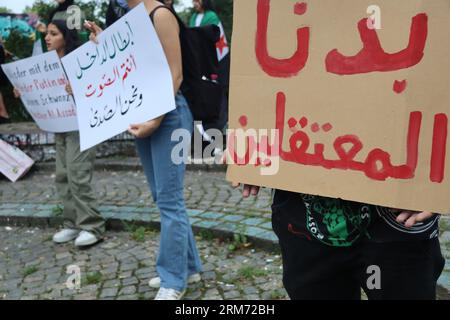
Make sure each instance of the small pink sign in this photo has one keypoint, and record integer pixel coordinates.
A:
(13, 162)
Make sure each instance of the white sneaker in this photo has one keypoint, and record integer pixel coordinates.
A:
(169, 294)
(65, 235)
(85, 239)
(156, 282)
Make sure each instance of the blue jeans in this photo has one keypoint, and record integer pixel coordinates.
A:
(178, 256)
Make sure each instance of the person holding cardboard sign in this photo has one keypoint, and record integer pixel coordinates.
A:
(74, 169)
(331, 248)
(178, 260)
(348, 96)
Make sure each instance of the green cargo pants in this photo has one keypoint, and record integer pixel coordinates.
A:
(74, 170)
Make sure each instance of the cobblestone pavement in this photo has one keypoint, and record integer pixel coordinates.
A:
(124, 195)
(33, 267)
(204, 191)
(213, 207)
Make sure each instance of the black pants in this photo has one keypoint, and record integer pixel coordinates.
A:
(386, 271)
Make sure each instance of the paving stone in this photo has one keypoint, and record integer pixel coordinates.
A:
(129, 281)
(124, 285)
(109, 292)
(127, 290)
(233, 294)
(128, 297)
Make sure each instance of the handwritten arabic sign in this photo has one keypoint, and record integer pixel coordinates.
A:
(124, 79)
(41, 81)
(357, 113)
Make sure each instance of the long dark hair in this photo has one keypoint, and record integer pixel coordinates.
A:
(70, 36)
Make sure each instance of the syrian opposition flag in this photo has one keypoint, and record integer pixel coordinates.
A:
(222, 44)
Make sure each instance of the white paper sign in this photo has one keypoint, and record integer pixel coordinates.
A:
(124, 79)
(41, 81)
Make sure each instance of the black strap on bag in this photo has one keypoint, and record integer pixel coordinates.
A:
(152, 14)
(200, 86)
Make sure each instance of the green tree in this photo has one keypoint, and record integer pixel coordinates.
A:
(42, 8)
(94, 10)
(185, 15)
(18, 44)
(5, 10)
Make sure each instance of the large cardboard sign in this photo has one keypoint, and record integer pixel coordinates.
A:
(354, 96)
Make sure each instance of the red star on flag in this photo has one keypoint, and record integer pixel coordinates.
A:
(221, 44)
